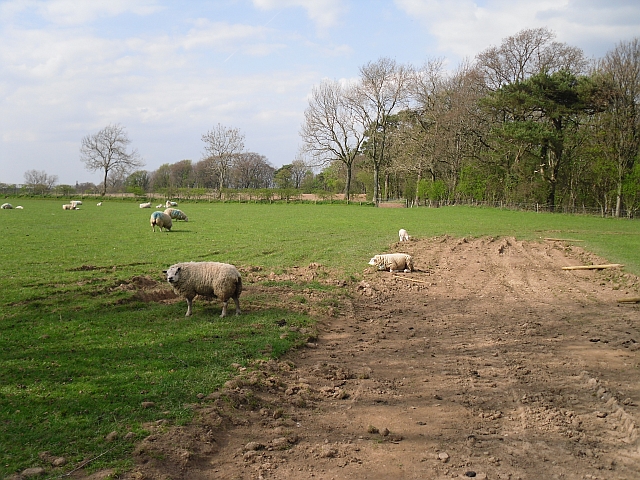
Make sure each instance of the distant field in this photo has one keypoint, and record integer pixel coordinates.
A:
(80, 353)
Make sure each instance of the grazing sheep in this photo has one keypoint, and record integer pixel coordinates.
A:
(145, 205)
(404, 236)
(394, 262)
(162, 220)
(176, 214)
(169, 203)
(69, 206)
(6, 206)
(207, 279)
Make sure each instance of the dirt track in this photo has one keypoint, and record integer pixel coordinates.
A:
(489, 362)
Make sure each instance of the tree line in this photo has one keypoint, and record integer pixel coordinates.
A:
(531, 121)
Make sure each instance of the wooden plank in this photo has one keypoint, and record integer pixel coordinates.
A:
(563, 239)
(629, 300)
(593, 267)
(412, 279)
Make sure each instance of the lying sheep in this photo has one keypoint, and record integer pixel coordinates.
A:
(99, 204)
(162, 220)
(159, 206)
(169, 203)
(69, 206)
(404, 236)
(176, 214)
(75, 203)
(6, 206)
(19, 207)
(145, 205)
(394, 262)
(207, 279)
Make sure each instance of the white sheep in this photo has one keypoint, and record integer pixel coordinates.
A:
(207, 279)
(75, 203)
(145, 205)
(404, 236)
(6, 206)
(162, 220)
(169, 203)
(69, 206)
(99, 204)
(176, 214)
(394, 262)
(19, 207)
(159, 206)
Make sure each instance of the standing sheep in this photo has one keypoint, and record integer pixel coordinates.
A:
(207, 279)
(404, 236)
(176, 214)
(394, 262)
(162, 220)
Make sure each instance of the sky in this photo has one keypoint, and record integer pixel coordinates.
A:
(170, 71)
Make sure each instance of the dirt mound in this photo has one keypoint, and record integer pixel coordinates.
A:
(489, 361)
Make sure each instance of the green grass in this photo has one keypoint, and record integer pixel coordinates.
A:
(80, 354)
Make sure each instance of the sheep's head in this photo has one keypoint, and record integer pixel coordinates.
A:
(375, 260)
(173, 274)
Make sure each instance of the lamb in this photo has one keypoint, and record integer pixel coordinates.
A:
(69, 206)
(207, 279)
(404, 236)
(394, 262)
(75, 203)
(6, 206)
(145, 205)
(161, 220)
(160, 206)
(19, 207)
(176, 214)
(99, 204)
(169, 203)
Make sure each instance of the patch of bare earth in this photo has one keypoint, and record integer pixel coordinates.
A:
(488, 362)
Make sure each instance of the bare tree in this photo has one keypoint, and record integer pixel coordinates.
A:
(107, 151)
(525, 54)
(222, 144)
(252, 170)
(383, 89)
(621, 130)
(39, 181)
(331, 130)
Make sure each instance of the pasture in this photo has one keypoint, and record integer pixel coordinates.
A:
(83, 355)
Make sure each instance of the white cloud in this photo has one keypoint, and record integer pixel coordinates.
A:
(324, 13)
(465, 27)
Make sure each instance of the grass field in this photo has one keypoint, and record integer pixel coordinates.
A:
(80, 354)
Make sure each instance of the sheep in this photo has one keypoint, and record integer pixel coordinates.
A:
(160, 206)
(169, 203)
(404, 236)
(176, 214)
(75, 203)
(145, 205)
(69, 206)
(99, 204)
(394, 262)
(207, 279)
(19, 207)
(6, 206)
(161, 220)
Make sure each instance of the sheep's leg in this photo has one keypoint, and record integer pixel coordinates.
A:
(237, 302)
(224, 308)
(189, 303)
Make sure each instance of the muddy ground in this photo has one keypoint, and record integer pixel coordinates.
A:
(488, 362)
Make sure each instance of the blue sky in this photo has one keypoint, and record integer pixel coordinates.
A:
(169, 71)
